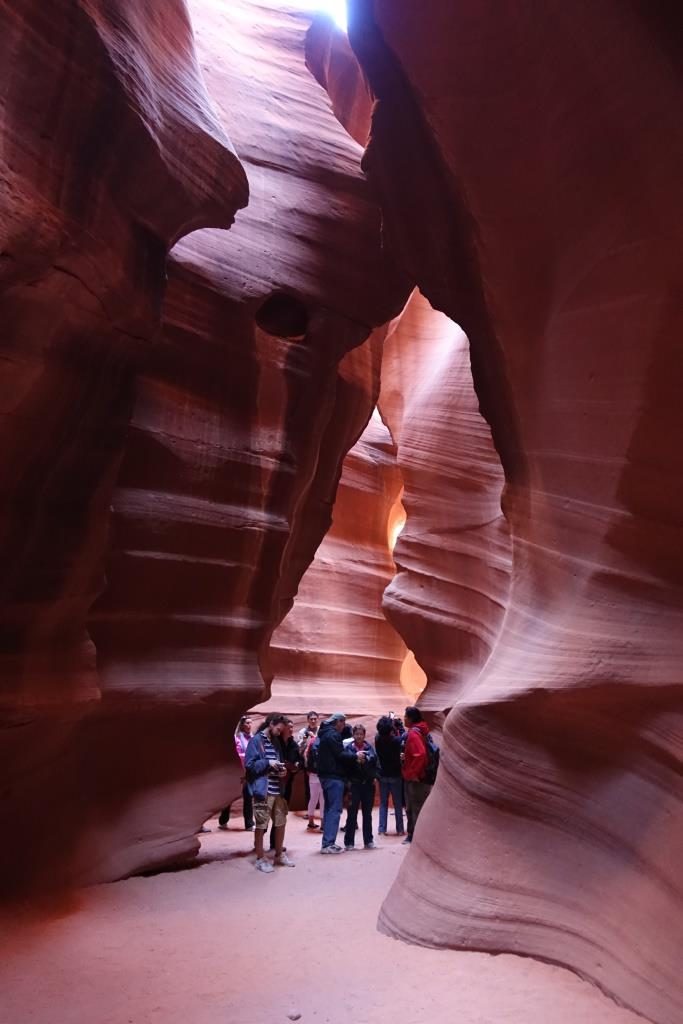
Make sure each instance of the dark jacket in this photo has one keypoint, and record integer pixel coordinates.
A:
(334, 762)
(366, 772)
(389, 749)
(290, 753)
(256, 766)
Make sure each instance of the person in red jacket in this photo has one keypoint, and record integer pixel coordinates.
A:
(414, 765)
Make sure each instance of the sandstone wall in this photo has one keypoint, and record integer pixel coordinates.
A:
(528, 162)
(336, 650)
(135, 636)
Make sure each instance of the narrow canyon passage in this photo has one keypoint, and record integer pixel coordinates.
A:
(273, 282)
(221, 944)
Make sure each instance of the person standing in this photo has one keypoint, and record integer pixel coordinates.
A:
(266, 774)
(292, 761)
(308, 730)
(334, 762)
(315, 795)
(303, 738)
(388, 746)
(242, 737)
(414, 766)
(362, 777)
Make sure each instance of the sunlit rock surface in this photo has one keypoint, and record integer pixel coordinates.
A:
(529, 165)
(453, 556)
(336, 650)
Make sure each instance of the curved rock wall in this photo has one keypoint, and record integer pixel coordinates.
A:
(217, 443)
(335, 650)
(453, 556)
(537, 203)
(111, 151)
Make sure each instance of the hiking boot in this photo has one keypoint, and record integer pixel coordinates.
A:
(264, 865)
(331, 849)
(284, 861)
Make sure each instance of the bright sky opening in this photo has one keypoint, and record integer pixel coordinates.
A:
(335, 8)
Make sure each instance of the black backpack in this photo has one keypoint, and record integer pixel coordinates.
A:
(313, 756)
(433, 754)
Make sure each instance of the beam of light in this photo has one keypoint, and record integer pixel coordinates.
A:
(335, 8)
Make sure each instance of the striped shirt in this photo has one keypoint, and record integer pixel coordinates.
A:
(274, 785)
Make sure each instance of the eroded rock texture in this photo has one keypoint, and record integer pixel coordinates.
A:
(216, 443)
(529, 163)
(453, 556)
(111, 151)
(335, 650)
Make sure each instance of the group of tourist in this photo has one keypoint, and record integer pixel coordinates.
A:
(339, 764)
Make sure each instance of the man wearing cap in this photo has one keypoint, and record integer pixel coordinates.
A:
(334, 762)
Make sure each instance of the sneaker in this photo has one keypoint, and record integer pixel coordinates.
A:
(284, 861)
(264, 865)
(331, 849)
(335, 846)
(348, 848)
(407, 841)
(312, 826)
(370, 846)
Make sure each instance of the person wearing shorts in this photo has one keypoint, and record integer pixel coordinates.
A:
(266, 774)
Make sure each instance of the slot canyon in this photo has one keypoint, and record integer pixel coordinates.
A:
(342, 369)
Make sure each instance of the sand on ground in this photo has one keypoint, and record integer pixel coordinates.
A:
(222, 943)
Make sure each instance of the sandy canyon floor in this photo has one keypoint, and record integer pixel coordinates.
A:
(224, 944)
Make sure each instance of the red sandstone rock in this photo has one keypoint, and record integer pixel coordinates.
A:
(111, 151)
(240, 425)
(529, 164)
(453, 556)
(335, 649)
(218, 444)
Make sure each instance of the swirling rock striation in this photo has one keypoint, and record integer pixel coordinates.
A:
(257, 389)
(528, 166)
(111, 152)
(453, 556)
(336, 649)
(216, 442)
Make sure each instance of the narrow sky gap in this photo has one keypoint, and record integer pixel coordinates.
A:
(335, 8)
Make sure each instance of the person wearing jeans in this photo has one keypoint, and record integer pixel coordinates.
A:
(362, 791)
(334, 763)
(388, 744)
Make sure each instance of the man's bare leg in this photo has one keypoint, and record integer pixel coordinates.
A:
(258, 842)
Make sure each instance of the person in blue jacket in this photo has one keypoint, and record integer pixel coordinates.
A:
(266, 774)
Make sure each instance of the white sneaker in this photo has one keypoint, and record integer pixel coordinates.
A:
(264, 865)
(331, 849)
(284, 861)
